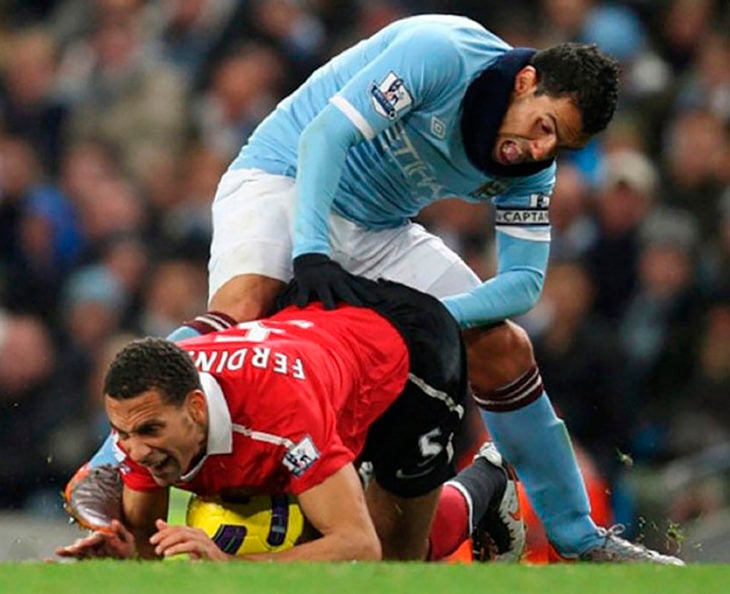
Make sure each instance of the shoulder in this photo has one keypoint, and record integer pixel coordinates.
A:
(442, 37)
(441, 54)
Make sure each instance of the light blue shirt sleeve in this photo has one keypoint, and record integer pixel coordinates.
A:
(523, 247)
(323, 149)
(513, 291)
(410, 71)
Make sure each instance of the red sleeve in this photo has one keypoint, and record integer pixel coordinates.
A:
(325, 462)
(307, 426)
(137, 477)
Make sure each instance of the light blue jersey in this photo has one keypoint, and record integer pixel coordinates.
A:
(375, 135)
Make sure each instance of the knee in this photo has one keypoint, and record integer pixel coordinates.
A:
(498, 355)
(504, 344)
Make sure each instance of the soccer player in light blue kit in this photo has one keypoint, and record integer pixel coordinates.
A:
(428, 108)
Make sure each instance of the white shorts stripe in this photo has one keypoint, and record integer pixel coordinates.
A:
(438, 394)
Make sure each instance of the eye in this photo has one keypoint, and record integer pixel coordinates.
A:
(148, 430)
(546, 126)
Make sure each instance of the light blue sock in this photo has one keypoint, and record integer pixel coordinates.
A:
(182, 332)
(107, 453)
(535, 441)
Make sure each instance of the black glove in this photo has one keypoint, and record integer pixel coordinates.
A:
(319, 278)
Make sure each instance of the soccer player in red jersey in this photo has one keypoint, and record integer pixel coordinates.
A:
(290, 404)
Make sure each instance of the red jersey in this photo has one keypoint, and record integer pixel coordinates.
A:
(290, 399)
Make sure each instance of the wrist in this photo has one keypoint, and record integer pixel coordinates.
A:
(310, 259)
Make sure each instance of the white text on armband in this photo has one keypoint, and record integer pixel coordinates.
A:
(522, 216)
(256, 357)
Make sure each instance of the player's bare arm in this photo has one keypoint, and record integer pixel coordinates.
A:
(141, 510)
(335, 508)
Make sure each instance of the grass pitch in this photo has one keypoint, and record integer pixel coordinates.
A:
(183, 577)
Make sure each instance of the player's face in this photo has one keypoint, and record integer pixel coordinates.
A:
(164, 438)
(535, 126)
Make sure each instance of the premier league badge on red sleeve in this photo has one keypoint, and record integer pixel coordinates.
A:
(301, 456)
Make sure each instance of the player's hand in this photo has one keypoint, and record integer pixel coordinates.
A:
(116, 543)
(319, 278)
(173, 540)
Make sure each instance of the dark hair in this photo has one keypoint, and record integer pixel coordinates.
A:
(584, 73)
(151, 363)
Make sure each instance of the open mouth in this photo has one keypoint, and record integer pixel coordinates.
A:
(158, 467)
(510, 153)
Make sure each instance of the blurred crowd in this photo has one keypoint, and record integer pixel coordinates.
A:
(117, 118)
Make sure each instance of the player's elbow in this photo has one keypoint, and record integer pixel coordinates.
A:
(366, 547)
(353, 543)
(533, 292)
(529, 291)
(373, 552)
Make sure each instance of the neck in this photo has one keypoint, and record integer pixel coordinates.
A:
(485, 104)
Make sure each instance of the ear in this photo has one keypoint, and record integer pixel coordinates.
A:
(525, 81)
(197, 406)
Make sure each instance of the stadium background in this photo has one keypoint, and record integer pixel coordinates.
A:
(117, 118)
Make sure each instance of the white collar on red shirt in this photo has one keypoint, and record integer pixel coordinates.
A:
(220, 429)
